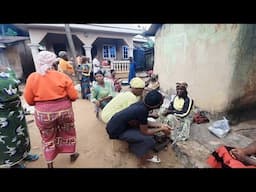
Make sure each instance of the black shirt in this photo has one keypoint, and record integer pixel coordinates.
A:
(120, 121)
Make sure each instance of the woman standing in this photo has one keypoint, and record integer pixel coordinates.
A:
(14, 137)
(52, 93)
(85, 77)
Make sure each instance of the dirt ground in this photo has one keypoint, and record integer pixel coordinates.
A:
(95, 148)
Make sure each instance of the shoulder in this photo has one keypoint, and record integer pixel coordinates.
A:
(58, 75)
(33, 76)
(188, 99)
(139, 106)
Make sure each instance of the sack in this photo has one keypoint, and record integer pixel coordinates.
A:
(221, 158)
(220, 128)
(162, 141)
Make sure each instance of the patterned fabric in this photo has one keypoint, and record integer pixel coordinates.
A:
(180, 124)
(14, 137)
(85, 87)
(55, 120)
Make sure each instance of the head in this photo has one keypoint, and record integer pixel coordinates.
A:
(63, 55)
(153, 99)
(83, 59)
(78, 59)
(113, 73)
(130, 59)
(181, 89)
(44, 61)
(154, 78)
(137, 86)
(99, 76)
(87, 59)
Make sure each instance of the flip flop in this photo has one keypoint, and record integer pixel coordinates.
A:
(31, 157)
(154, 159)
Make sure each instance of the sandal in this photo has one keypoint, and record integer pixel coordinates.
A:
(73, 157)
(31, 157)
(154, 159)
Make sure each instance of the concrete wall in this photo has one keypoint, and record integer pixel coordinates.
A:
(208, 58)
(243, 83)
(20, 59)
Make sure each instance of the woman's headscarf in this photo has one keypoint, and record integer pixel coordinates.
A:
(45, 60)
(182, 84)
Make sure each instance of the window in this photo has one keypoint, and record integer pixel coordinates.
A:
(125, 52)
(109, 52)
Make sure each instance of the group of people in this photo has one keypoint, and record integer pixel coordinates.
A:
(52, 93)
(125, 114)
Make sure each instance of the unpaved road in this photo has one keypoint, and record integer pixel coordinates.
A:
(95, 148)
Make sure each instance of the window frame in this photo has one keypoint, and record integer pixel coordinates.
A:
(109, 46)
(123, 51)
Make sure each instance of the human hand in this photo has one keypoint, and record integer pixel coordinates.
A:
(165, 112)
(166, 129)
(236, 153)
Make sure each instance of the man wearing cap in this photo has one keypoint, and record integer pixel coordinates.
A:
(123, 99)
(131, 125)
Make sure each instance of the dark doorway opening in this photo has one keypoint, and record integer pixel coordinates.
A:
(59, 47)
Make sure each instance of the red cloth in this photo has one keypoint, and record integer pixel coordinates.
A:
(55, 120)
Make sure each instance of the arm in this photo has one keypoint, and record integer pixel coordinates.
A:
(170, 110)
(249, 150)
(28, 93)
(71, 91)
(105, 98)
(94, 94)
(151, 131)
(239, 155)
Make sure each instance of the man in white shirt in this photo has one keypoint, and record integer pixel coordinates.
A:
(96, 64)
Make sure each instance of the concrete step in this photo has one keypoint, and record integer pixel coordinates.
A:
(191, 154)
(194, 152)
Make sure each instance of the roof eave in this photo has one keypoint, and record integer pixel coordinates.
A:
(152, 30)
(82, 27)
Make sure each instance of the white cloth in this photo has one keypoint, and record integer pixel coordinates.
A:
(44, 61)
(96, 65)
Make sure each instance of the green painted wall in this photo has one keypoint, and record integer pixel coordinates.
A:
(216, 60)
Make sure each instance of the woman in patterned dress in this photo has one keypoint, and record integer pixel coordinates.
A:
(52, 94)
(14, 137)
